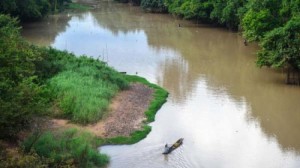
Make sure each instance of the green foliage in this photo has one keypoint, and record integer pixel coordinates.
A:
(84, 87)
(289, 9)
(280, 47)
(20, 96)
(28, 160)
(28, 10)
(133, 138)
(31, 77)
(70, 147)
(7, 6)
(191, 9)
(224, 12)
(256, 24)
(231, 13)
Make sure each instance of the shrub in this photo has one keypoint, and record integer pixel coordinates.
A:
(21, 97)
(70, 147)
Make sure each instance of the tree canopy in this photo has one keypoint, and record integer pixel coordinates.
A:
(281, 46)
(20, 95)
(28, 10)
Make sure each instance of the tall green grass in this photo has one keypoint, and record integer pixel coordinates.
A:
(83, 87)
(83, 99)
(66, 149)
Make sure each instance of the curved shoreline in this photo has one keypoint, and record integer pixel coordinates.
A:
(159, 97)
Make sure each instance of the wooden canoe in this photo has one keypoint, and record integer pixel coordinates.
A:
(173, 147)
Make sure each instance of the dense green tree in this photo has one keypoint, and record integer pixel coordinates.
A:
(289, 9)
(19, 93)
(31, 9)
(227, 12)
(263, 16)
(256, 24)
(7, 6)
(191, 9)
(280, 47)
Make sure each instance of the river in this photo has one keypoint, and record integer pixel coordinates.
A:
(230, 113)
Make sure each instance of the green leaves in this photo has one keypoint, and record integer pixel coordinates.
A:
(280, 47)
(256, 24)
(20, 96)
(69, 148)
(28, 10)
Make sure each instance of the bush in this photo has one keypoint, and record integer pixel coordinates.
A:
(70, 147)
(20, 96)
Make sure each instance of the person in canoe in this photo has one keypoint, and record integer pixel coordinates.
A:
(173, 147)
(167, 148)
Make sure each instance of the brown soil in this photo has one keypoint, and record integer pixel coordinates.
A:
(126, 114)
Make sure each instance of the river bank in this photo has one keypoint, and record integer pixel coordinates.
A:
(126, 113)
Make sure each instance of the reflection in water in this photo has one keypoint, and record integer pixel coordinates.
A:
(231, 113)
(44, 32)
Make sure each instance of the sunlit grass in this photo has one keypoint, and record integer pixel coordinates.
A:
(84, 87)
(83, 99)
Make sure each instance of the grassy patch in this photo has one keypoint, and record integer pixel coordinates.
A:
(84, 87)
(76, 6)
(83, 99)
(66, 149)
(133, 138)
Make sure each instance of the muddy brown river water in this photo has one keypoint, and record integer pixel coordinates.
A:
(230, 113)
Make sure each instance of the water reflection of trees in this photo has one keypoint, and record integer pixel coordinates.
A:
(44, 32)
(118, 18)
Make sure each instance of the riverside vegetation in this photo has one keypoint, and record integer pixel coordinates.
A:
(38, 82)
